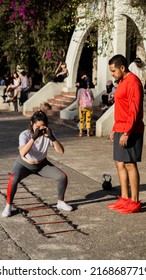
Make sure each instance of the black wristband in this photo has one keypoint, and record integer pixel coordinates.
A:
(50, 134)
(36, 134)
(52, 138)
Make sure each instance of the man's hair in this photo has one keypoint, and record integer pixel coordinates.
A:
(119, 60)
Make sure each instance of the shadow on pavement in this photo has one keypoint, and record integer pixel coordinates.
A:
(101, 196)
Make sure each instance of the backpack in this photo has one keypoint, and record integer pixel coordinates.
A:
(85, 99)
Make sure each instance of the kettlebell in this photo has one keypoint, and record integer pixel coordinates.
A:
(107, 186)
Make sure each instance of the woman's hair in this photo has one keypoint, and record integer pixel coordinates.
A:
(63, 63)
(38, 116)
(15, 73)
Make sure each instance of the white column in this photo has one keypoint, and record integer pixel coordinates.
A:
(103, 73)
(144, 42)
(119, 34)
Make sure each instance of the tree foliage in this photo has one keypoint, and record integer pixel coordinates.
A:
(139, 3)
(36, 33)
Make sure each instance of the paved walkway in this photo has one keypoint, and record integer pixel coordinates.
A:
(99, 233)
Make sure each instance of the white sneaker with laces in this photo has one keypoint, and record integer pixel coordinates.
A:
(61, 205)
(7, 211)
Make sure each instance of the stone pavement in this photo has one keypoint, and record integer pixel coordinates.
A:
(101, 234)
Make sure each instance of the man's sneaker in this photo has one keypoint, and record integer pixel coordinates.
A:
(61, 205)
(7, 211)
(131, 207)
(118, 204)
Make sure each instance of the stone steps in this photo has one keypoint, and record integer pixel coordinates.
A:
(59, 103)
(65, 98)
(56, 104)
(69, 94)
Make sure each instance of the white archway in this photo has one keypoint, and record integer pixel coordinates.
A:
(76, 45)
(123, 9)
(120, 13)
(73, 55)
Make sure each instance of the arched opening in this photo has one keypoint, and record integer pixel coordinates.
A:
(133, 40)
(87, 62)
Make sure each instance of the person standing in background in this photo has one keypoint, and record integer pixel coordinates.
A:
(137, 68)
(85, 100)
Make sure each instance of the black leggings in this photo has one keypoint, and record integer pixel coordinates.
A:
(22, 169)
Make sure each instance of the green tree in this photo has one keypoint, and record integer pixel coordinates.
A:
(36, 31)
(36, 34)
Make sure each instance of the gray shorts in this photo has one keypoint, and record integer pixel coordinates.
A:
(133, 151)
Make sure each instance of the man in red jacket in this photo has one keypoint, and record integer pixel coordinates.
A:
(127, 134)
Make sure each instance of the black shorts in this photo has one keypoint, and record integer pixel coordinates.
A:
(133, 151)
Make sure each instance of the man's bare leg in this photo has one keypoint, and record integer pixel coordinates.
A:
(124, 182)
(134, 180)
(123, 178)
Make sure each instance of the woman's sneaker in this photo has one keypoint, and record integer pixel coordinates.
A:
(7, 211)
(61, 205)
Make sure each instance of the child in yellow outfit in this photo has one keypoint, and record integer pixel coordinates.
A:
(85, 100)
